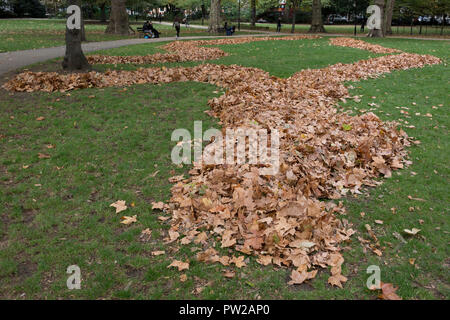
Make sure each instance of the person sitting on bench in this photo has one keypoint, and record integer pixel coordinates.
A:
(228, 30)
(149, 31)
(146, 27)
(154, 31)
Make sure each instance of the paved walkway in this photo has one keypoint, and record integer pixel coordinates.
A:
(10, 61)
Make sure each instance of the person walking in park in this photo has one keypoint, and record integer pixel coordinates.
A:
(186, 22)
(279, 24)
(176, 24)
(363, 24)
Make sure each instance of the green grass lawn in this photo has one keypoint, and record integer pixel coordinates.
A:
(108, 144)
(27, 34)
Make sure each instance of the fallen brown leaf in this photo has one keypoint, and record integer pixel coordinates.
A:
(119, 205)
(179, 264)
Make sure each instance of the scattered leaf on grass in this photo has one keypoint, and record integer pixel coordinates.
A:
(337, 280)
(43, 155)
(119, 205)
(128, 220)
(229, 274)
(146, 234)
(179, 264)
(388, 292)
(158, 205)
(238, 261)
(417, 199)
(413, 231)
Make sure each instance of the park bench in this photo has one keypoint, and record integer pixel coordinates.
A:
(222, 30)
(140, 32)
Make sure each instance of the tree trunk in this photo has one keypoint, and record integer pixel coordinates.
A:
(253, 12)
(379, 33)
(389, 13)
(214, 16)
(203, 14)
(316, 22)
(118, 19)
(103, 12)
(74, 58)
(83, 30)
(294, 11)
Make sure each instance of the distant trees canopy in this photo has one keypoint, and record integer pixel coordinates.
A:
(423, 7)
(28, 8)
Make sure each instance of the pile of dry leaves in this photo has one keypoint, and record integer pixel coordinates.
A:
(359, 44)
(224, 76)
(323, 154)
(181, 51)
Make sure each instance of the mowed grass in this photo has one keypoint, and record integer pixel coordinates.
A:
(279, 58)
(27, 34)
(108, 144)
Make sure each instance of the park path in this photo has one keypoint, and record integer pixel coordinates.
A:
(10, 61)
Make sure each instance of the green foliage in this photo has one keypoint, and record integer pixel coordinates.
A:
(422, 7)
(28, 8)
(346, 6)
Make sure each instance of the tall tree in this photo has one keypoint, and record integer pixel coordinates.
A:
(118, 19)
(102, 6)
(294, 4)
(316, 21)
(214, 16)
(389, 13)
(379, 32)
(253, 12)
(74, 58)
(83, 30)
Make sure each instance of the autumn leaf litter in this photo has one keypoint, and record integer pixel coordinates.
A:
(323, 154)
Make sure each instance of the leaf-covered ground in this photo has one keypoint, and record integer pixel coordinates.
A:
(57, 209)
